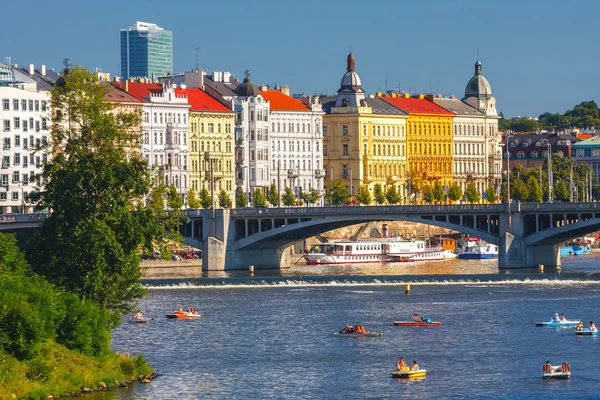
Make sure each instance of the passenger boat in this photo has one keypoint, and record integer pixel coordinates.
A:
(182, 315)
(562, 372)
(575, 250)
(477, 249)
(450, 254)
(384, 250)
(586, 332)
(409, 374)
(413, 323)
(551, 323)
(337, 334)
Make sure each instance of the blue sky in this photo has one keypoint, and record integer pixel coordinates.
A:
(539, 55)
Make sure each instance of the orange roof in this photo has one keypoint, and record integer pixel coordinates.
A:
(414, 105)
(585, 136)
(283, 102)
(201, 101)
(140, 90)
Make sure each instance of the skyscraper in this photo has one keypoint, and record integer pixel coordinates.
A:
(146, 51)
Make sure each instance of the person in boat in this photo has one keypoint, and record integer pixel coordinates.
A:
(401, 365)
(548, 368)
(580, 326)
(556, 319)
(416, 317)
(593, 326)
(562, 318)
(180, 311)
(347, 329)
(138, 316)
(414, 366)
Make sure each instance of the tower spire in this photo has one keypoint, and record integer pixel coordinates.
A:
(350, 60)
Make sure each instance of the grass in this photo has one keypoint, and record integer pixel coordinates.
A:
(57, 370)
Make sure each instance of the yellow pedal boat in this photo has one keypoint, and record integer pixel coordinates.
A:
(409, 374)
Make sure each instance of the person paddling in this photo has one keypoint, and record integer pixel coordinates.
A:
(138, 315)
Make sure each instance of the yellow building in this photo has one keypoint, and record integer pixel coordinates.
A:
(428, 139)
(211, 141)
(364, 140)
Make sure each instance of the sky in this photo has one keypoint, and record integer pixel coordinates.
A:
(538, 55)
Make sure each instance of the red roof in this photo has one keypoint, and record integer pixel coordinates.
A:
(116, 95)
(140, 90)
(283, 102)
(415, 105)
(201, 101)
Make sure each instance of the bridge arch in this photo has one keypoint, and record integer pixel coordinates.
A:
(285, 236)
(563, 233)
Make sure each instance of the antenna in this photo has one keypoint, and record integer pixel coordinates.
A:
(197, 50)
(247, 73)
(477, 54)
(386, 87)
(67, 63)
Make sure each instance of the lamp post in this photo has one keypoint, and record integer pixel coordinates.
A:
(549, 170)
(508, 169)
(351, 186)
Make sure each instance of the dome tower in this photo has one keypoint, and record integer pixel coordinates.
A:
(350, 93)
(478, 92)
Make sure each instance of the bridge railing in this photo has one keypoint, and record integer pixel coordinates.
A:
(12, 218)
(549, 207)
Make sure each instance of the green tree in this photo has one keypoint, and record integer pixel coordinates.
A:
(427, 193)
(175, 216)
(224, 199)
(378, 194)
(535, 192)
(504, 192)
(472, 193)
(90, 244)
(241, 200)
(288, 199)
(258, 198)
(438, 191)
(205, 199)
(491, 195)
(561, 191)
(11, 258)
(392, 196)
(337, 193)
(312, 196)
(273, 195)
(454, 193)
(193, 200)
(519, 190)
(364, 195)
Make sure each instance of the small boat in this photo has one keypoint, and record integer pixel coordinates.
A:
(586, 332)
(412, 323)
(182, 315)
(551, 323)
(562, 372)
(450, 254)
(140, 321)
(355, 334)
(479, 251)
(409, 374)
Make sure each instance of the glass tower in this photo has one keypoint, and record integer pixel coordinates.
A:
(146, 51)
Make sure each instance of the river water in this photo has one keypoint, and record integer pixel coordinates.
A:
(266, 337)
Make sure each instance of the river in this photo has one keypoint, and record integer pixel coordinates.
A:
(266, 336)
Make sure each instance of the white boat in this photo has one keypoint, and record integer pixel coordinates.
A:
(384, 250)
(477, 249)
(355, 334)
(450, 254)
(562, 372)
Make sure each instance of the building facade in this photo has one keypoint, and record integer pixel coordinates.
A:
(165, 131)
(146, 51)
(588, 151)
(252, 150)
(296, 142)
(211, 142)
(531, 150)
(364, 139)
(25, 117)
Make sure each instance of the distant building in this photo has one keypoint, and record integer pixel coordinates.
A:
(146, 51)
(588, 151)
(531, 150)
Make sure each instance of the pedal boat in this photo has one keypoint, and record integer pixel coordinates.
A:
(412, 323)
(551, 323)
(557, 372)
(140, 321)
(182, 315)
(409, 374)
(586, 332)
(337, 334)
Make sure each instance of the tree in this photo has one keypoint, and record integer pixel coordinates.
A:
(378, 194)
(519, 190)
(205, 199)
(288, 199)
(90, 244)
(561, 191)
(175, 216)
(337, 193)
(273, 195)
(258, 198)
(392, 195)
(427, 193)
(312, 196)
(438, 191)
(504, 192)
(11, 258)
(535, 191)
(454, 193)
(193, 200)
(472, 193)
(224, 199)
(364, 195)
(241, 200)
(491, 195)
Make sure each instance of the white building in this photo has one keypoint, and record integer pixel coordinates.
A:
(165, 131)
(252, 156)
(25, 115)
(296, 142)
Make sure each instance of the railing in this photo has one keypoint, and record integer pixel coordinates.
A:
(12, 218)
(557, 206)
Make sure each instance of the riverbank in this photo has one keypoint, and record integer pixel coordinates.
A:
(57, 371)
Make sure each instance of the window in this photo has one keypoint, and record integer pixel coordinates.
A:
(534, 154)
(30, 123)
(16, 176)
(344, 149)
(344, 170)
(17, 159)
(44, 105)
(30, 105)
(15, 196)
(17, 123)
(6, 144)
(37, 105)
(211, 127)
(7, 125)
(6, 164)
(521, 154)
(6, 104)
(344, 130)
(324, 130)
(24, 105)
(15, 104)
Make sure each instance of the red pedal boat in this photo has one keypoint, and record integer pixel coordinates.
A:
(182, 315)
(412, 323)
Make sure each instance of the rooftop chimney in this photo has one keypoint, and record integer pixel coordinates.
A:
(43, 70)
(285, 89)
(31, 69)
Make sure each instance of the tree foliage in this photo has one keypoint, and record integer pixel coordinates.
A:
(273, 195)
(364, 195)
(392, 196)
(288, 199)
(519, 190)
(312, 196)
(491, 195)
(472, 193)
(454, 193)
(438, 191)
(224, 199)
(193, 201)
(427, 193)
(205, 199)
(90, 244)
(258, 198)
(535, 191)
(378, 194)
(561, 191)
(241, 200)
(337, 193)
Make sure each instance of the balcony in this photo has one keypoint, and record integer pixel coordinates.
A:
(320, 173)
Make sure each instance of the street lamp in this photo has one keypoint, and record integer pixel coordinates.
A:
(508, 169)
(549, 170)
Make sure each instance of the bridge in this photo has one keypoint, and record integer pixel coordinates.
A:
(528, 234)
